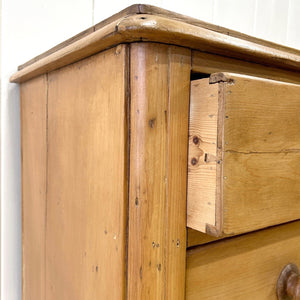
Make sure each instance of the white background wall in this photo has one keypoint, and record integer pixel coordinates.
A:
(33, 26)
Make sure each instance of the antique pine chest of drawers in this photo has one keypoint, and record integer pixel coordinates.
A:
(160, 160)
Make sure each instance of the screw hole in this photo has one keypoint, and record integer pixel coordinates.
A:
(195, 140)
(194, 161)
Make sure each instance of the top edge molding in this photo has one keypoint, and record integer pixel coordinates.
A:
(141, 22)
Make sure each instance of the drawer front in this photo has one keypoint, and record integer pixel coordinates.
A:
(244, 154)
(244, 267)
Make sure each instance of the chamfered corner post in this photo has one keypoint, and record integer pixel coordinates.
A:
(159, 111)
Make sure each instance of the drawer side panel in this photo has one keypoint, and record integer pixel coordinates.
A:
(202, 155)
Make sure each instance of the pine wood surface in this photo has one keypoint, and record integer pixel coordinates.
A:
(261, 153)
(87, 179)
(256, 169)
(34, 156)
(207, 63)
(203, 127)
(178, 114)
(146, 24)
(244, 267)
(153, 10)
(84, 104)
(74, 180)
(158, 162)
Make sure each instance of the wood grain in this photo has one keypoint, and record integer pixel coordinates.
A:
(202, 162)
(262, 150)
(256, 176)
(178, 116)
(164, 29)
(87, 179)
(261, 115)
(260, 190)
(34, 150)
(157, 201)
(206, 63)
(153, 10)
(245, 267)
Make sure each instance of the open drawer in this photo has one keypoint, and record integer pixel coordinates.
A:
(244, 154)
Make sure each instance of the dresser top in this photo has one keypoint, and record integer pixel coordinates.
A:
(141, 22)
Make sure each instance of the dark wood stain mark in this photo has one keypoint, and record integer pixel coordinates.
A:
(152, 122)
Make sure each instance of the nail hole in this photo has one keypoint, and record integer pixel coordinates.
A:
(194, 161)
(195, 140)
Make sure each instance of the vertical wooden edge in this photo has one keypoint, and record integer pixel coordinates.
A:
(46, 187)
(220, 142)
(127, 156)
(22, 197)
(178, 122)
(147, 192)
(204, 184)
(31, 86)
(159, 101)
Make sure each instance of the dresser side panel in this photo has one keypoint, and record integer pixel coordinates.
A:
(34, 150)
(87, 179)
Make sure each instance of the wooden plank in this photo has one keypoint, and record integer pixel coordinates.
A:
(202, 163)
(163, 29)
(261, 153)
(211, 63)
(148, 161)
(245, 267)
(178, 116)
(34, 150)
(261, 115)
(260, 190)
(254, 177)
(87, 179)
(159, 122)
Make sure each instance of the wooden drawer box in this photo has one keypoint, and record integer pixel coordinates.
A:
(244, 154)
(105, 162)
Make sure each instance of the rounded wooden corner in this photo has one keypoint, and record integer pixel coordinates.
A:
(213, 230)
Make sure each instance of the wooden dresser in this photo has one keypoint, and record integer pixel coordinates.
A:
(161, 160)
